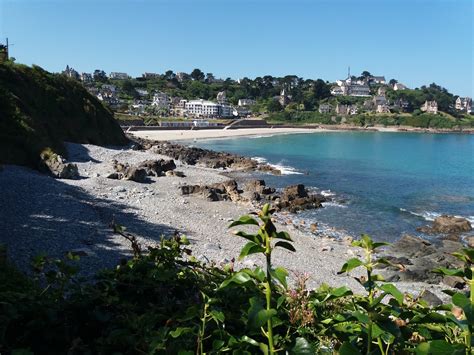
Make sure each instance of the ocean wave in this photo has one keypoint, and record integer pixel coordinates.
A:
(333, 204)
(327, 193)
(431, 216)
(285, 169)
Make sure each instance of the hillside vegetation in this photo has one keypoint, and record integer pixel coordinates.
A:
(40, 110)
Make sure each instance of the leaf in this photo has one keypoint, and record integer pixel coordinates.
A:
(252, 237)
(238, 278)
(439, 347)
(282, 235)
(280, 300)
(337, 293)
(258, 274)
(348, 349)
(258, 315)
(217, 344)
(244, 220)
(301, 347)
(449, 272)
(179, 331)
(280, 274)
(285, 245)
(350, 265)
(463, 302)
(251, 248)
(392, 290)
(218, 316)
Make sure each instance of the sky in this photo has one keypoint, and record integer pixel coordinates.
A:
(415, 41)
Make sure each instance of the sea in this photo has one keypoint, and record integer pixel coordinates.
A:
(382, 184)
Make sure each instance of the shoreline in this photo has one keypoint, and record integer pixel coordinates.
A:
(201, 134)
(75, 215)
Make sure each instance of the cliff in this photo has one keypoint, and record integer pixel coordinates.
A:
(40, 110)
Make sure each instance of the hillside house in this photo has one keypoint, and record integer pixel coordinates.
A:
(464, 104)
(325, 108)
(430, 107)
(399, 86)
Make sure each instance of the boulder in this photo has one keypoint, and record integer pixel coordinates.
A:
(136, 174)
(470, 242)
(447, 225)
(294, 191)
(430, 298)
(58, 167)
(450, 224)
(157, 167)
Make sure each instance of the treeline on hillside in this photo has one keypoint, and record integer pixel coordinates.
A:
(41, 110)
(305, 94)
(421, 120)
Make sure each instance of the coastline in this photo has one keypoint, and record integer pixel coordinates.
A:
(75, 215)
(189, 134)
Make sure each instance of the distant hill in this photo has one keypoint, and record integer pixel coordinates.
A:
(40, 110)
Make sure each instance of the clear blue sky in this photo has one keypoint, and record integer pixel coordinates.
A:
(415, 41)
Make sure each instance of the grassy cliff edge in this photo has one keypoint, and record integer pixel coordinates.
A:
(40, 110)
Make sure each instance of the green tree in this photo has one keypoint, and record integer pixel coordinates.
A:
(197, 75)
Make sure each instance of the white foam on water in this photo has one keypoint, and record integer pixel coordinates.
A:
(286, 170)
(333, 204)
(260, 160)
(327, 193)
(431, 216)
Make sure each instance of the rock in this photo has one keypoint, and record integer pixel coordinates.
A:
(210, 246)
(294, 191)
(313, 227)
(470, 242)
(58, 167)
(447, 225)
(454, 282)
(157, 167)
(136, 174)
(430, 298)
(255, 186)
(451, 224)
(115, 176)
(411, 246)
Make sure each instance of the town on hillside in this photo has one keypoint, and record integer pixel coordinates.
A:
(202, 96)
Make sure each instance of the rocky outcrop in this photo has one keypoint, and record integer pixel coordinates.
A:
(205, 157)
(414, 259)
(292, 199)
(447, 225)
(141, 171)
(58, 167)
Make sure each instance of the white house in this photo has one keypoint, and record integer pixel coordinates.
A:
(202, 108)
(118, 75)
(399, 86)
(161, 100)
(430, 107)
(246, 102)
(464, 104)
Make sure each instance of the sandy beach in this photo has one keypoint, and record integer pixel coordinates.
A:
(175, 135)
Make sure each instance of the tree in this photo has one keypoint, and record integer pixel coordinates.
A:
(209, 77)
(100, 76)
(365, 74)
(169, 75)
(393, 81)
(321, 90)
(129, 89)
(274, 106)
(197, 75)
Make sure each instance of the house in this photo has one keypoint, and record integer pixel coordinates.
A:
(119, 76)
(150, 76)
(399, 86)
(379, 100)
(349, 87)
(283, 99)
(180, 76)
(161, 101)
(246, 102)
(86, 78)
(382, 108)
(109, 87)
(430, 107)
(337, 91)
(226, 110)
(381, 91)
(142, 92)
(241, 111)
(71, 73)
(464, 104)
(221, 97)
(400, 104)
(325, 108)
(377, 80)
(341, 109)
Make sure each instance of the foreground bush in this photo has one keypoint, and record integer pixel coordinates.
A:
(164, 301)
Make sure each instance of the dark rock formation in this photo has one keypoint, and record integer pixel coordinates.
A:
(447, 225)
(57, 166)
(139, 172)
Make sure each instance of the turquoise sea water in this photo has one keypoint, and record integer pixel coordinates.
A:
(384, 184)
